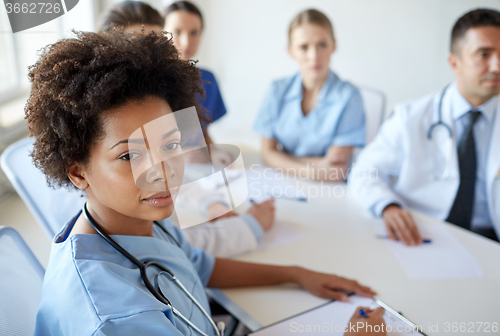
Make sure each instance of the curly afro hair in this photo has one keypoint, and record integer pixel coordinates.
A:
(76, 80)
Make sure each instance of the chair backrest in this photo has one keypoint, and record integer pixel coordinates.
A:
(374, 104)
(21, 280)
(52, 208)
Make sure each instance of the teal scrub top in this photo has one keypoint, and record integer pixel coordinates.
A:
(338, 118)
(91, 289)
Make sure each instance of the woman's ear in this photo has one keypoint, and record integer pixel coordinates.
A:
(77, 176)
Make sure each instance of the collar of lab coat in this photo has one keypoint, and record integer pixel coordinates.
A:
(460, 106)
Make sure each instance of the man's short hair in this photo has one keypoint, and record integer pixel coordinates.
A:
(477, 18)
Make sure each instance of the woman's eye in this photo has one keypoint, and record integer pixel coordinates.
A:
(173, 146)
(303, 47)
(322, 45)
(129, 156)
(194, 33)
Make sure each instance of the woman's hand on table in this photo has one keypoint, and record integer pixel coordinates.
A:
(330, 286)
(264, 213)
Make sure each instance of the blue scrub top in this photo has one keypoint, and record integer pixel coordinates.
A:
(338, 118)
(213, 102)
(91, 289)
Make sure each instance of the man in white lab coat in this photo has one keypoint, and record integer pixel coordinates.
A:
(443, 161)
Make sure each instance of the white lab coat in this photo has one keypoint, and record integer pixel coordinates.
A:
(405, 163)
(223, 238)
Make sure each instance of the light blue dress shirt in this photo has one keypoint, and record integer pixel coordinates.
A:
(91, 289)
(482, 129)
(337, 119)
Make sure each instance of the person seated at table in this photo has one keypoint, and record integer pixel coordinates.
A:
(440, 154)
(228, 235)
(185, 21)
(311, 122)
(101, 111)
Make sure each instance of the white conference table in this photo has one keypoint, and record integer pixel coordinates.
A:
(340, 239)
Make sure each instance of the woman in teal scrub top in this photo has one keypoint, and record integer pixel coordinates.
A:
(311, 122)
(93, 103)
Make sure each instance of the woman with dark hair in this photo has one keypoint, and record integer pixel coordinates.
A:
(133, 16)
(117, 267)
(185, 21)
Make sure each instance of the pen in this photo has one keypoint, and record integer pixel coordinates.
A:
(425, 240)
(362, 313)
(298, 199)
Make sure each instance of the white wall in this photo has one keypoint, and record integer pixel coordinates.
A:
(397, 46)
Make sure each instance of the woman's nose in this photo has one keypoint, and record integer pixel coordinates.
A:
(183, 41)
(312, 54)
(161, 172)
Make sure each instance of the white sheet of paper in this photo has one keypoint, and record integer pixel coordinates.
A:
(331, 319)
(280, 234)
(444, 258)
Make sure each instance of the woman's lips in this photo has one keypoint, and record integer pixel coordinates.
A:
(160, 199)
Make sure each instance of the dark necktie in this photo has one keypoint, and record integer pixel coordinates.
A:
(461, 211)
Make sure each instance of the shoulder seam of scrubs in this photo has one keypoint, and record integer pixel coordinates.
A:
(83, 283)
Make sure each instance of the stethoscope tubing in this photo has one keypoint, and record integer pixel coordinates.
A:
(440, 117)
(447, 171)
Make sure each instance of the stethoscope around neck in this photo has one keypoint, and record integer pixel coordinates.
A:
(449, 145)
(155, 289)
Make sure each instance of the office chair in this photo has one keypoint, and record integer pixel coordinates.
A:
(52, 208)
(21, 282)
(374, 104)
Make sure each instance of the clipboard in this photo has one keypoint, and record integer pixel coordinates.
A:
(333, 317)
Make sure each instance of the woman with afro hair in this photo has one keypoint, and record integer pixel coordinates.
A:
(227, 234)
(90, 97)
